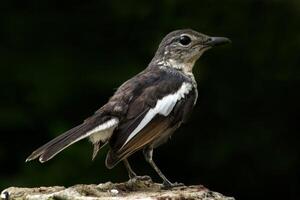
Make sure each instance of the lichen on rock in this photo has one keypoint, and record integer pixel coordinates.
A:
(132, 189)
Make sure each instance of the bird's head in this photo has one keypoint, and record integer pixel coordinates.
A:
(180, 49)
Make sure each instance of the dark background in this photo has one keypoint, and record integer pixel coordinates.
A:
(61, 61)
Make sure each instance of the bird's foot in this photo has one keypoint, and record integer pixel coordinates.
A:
(141, 178)
(169, 185)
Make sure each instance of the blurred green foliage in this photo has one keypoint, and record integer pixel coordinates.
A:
(60, 61)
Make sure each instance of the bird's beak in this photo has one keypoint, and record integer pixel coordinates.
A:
(216, 41)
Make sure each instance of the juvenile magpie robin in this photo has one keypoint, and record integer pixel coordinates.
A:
(145, 110)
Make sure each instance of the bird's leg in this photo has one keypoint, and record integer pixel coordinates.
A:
(148, 153)
(132, 174)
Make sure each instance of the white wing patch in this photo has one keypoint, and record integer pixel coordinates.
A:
(163, 106)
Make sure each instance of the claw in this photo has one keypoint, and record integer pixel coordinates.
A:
(143, 178)
(140, 178)
(169, 185)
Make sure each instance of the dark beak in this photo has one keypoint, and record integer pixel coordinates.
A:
(216, 41)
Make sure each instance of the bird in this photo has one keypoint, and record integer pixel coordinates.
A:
(145, 110)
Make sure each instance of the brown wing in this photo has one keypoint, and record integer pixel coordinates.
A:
(153, 131)
(144, 91)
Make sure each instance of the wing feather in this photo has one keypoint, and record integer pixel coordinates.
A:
(152, 125)
(163, 107)
(158, 125)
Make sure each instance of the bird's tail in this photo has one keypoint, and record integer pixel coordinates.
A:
(50, 149)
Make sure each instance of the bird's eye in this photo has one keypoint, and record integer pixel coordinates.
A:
(185, 40)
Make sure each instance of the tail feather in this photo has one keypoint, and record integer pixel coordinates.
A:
(50, 149)
(64, 143)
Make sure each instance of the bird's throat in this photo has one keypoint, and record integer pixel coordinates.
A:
(186, 67)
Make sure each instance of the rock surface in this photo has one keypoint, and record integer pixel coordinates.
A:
(133, 189)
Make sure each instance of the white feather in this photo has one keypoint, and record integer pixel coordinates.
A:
(163, 106)
(110, 124)
(104, 131)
